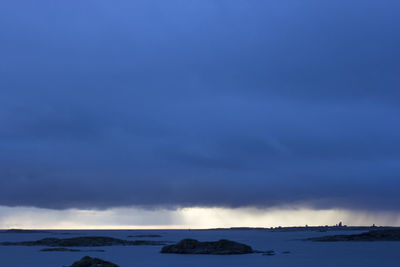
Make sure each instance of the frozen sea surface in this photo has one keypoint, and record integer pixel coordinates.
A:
(302, 253)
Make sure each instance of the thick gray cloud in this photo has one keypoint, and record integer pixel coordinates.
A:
(199, 103)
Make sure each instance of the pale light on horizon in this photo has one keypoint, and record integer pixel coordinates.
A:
(186, 218)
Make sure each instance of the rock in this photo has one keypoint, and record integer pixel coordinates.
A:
(92, 262)
(86, 241)
(70, 250)
(24, 231)
(221, 247)
(60, 249)
(269, 253)
(373, 235)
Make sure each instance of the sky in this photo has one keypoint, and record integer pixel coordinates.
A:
(165, 107)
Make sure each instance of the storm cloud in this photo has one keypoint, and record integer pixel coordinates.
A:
(200, 103)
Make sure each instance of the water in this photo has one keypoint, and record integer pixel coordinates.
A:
(302, 253)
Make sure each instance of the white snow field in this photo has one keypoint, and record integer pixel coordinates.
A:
(302, 253)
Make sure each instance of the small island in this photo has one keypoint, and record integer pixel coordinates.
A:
(373, 235)
(221, 247)
(86, 241)
(89, 262)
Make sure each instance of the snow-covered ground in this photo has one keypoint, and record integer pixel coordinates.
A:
(302, 253)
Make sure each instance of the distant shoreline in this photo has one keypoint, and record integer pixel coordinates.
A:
(270, 229)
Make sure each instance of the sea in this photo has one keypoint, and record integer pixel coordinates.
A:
(289, 248)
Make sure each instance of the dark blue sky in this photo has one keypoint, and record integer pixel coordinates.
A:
(200, 103)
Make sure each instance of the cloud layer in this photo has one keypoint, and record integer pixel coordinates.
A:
(199, 103)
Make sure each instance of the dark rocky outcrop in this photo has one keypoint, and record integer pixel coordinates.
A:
(92, 262)
(60, 249)
(87, 241)
(374, 235)
(269, 253)
(24, 231)
(221, 247)
(69, 250)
